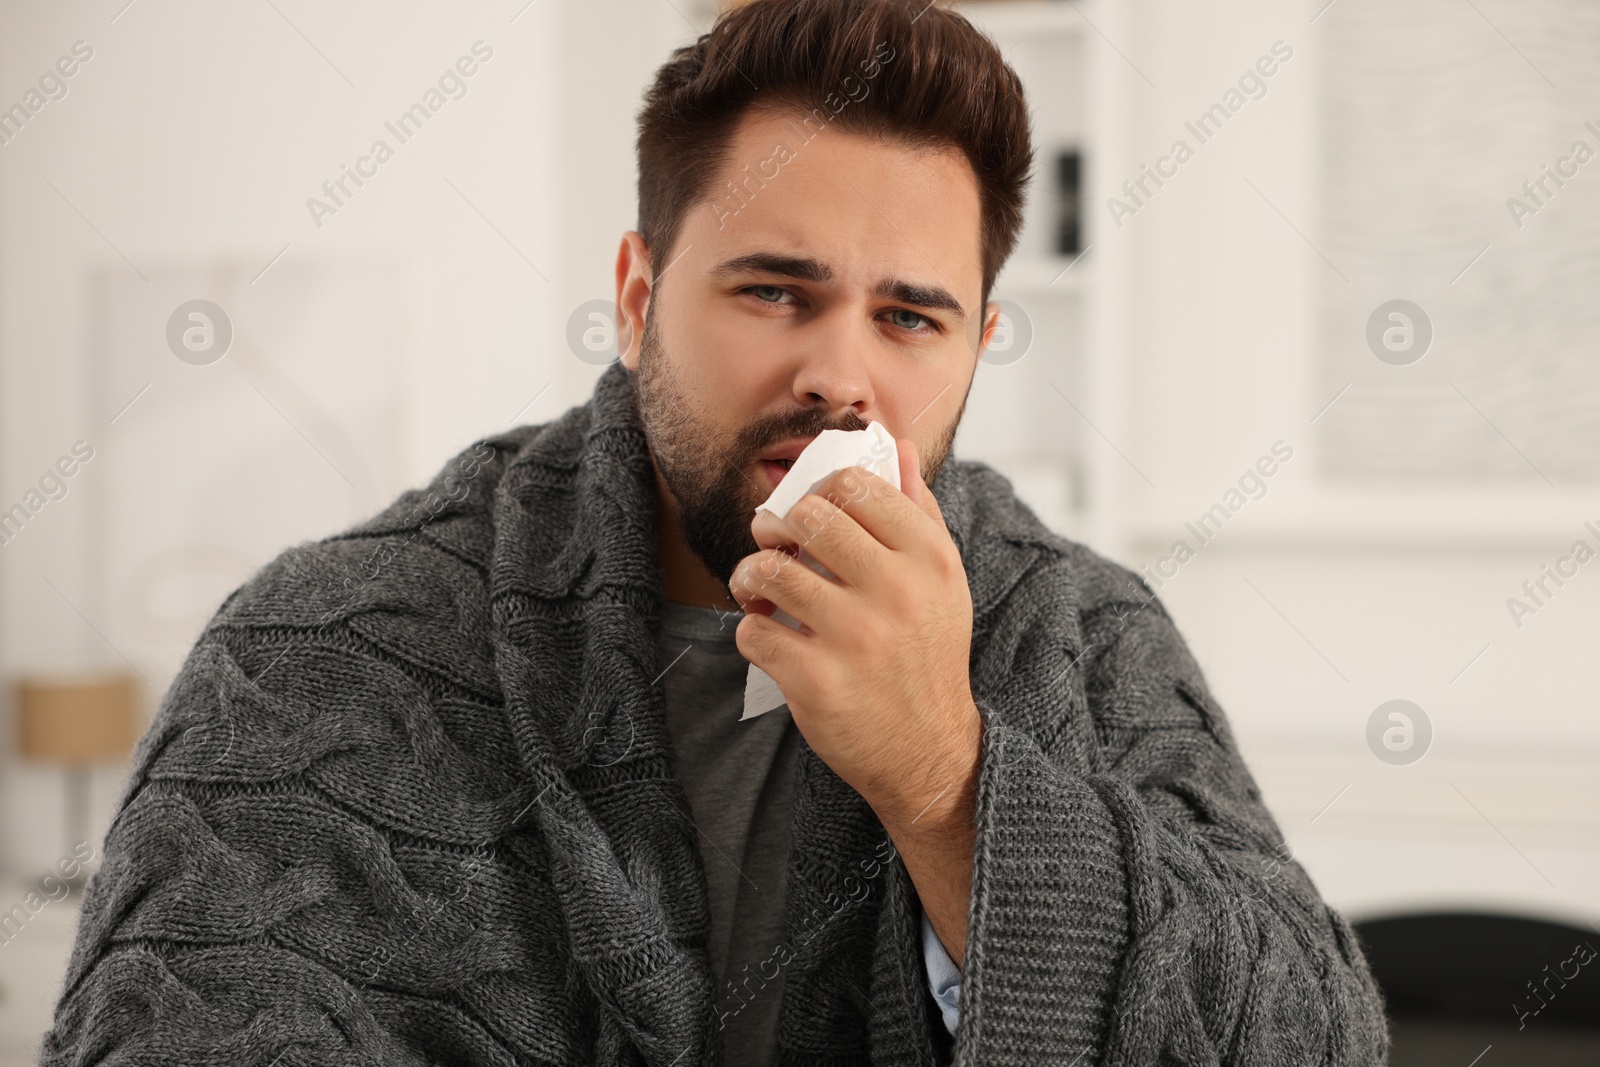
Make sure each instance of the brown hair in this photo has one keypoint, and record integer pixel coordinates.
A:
(931, 80)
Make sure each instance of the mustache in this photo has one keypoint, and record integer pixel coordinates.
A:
(807, 422)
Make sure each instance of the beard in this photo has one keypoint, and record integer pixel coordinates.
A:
(715, 479)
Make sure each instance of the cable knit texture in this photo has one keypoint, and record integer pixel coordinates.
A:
(409, 801)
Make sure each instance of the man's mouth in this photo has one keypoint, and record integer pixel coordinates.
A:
(781, 456)
(775, 469)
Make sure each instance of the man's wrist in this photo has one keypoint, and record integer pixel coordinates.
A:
(941, 806)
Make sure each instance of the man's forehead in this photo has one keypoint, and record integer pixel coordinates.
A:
(868, 208)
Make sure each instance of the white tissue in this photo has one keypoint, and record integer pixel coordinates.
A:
(872, 449)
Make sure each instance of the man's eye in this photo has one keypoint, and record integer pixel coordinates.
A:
(909, 320)
(777, 292)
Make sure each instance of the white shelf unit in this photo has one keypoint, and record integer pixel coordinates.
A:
(1039, 419)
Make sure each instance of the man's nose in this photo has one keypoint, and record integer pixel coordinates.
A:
(835, 373)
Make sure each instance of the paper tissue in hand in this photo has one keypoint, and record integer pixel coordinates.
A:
(872, 449)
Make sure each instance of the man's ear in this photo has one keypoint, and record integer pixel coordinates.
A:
(991, 323)
(634, 284)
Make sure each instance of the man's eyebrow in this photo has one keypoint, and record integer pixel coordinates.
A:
(801, 267)
(804, 268)
(927, 296)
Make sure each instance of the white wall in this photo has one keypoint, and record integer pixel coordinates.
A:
(1312, 607)
(192, 139)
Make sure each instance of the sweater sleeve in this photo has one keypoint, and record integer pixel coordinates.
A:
(1133, 901)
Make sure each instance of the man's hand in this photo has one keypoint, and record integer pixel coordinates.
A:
(876, 678)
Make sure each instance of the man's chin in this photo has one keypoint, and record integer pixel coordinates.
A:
(721, 565)
(720, 543)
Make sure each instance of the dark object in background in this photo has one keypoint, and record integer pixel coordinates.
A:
(1456, 983)
(1068, 199)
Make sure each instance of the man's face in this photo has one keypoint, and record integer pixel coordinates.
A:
(839, 286)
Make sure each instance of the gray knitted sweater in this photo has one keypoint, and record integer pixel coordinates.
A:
(409, 801)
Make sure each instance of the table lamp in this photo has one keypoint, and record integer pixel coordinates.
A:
(77, 722)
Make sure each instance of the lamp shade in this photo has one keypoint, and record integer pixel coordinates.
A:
(89, 720)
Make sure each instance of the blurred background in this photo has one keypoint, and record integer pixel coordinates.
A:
(1303, 328)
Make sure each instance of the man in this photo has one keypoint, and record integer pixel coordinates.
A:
(468, 784)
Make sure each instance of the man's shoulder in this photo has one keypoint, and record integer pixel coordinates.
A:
(364, 661)
(1015, 551)
(424, 555)
(1069, 600)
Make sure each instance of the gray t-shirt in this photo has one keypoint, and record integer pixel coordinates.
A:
(740, 778)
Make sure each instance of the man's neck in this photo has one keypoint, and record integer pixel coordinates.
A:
(684, 578)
